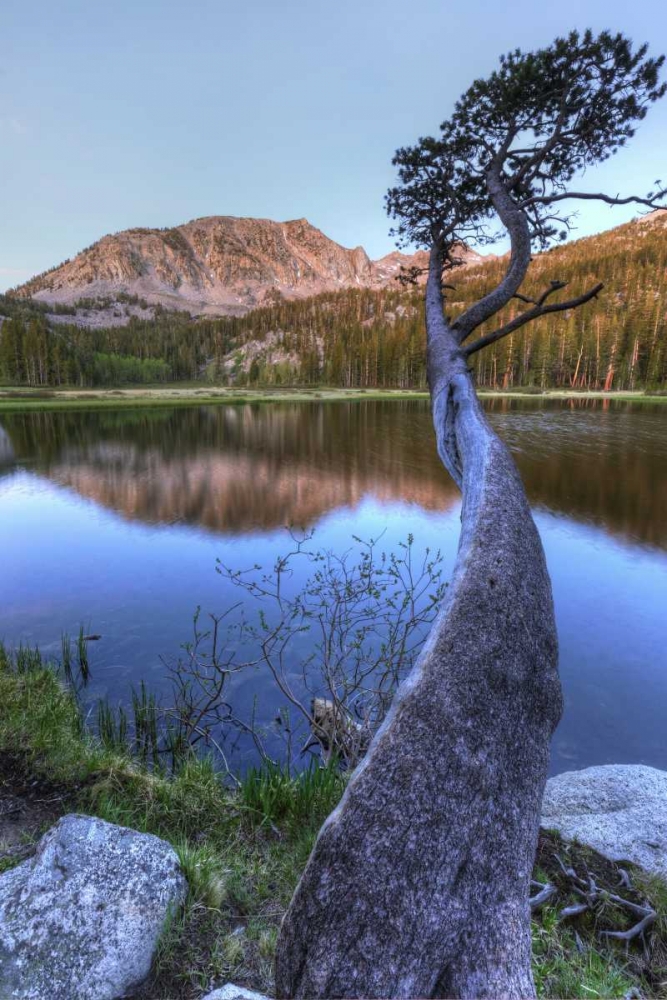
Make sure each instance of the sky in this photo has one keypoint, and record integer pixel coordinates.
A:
(155, 112)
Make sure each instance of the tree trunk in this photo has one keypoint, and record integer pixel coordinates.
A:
(418, 884)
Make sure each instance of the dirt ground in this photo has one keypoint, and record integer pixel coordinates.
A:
(28, 807)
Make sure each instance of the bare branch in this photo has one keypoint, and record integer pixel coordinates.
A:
(530, 314)
(549, 199)
(555, 286)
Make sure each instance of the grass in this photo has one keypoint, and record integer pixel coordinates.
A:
(562, 970)
(243, 850)
(195, 394)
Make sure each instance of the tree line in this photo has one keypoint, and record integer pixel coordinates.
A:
(370, 338)
(32, 353)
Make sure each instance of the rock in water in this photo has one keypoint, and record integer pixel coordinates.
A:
(618, 809)
(81, 919)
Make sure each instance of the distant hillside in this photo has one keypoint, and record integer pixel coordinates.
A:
(374, 336)
(218, 266)
(618, 341)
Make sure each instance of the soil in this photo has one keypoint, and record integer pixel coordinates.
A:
(28, 807)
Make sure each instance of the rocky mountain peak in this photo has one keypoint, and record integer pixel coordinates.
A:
(217, 265)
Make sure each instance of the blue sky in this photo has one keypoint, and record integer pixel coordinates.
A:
(154, 112)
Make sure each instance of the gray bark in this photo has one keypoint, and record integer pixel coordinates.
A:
(418, 885)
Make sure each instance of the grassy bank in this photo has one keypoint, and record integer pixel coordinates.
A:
(194, 394)
(243, 850)
(179, 395)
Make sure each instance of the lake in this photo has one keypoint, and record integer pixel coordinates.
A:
(115, 519)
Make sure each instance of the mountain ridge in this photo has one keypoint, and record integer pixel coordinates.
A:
(217, 265)
(371, 336)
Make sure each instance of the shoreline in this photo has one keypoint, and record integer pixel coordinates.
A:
(243, 849)
(25, 399)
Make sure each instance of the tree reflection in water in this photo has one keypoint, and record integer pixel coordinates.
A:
(242, 468)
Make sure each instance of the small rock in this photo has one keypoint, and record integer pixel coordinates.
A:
(231, 992)
(618, 809)
(81, 919)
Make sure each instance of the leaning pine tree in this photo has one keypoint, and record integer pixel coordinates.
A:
(418, 885)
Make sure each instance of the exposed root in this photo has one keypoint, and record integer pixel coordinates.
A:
(582, 893)
(624, 878)
(636, 931)
(573, 911)
(541, 898)
(593, 896)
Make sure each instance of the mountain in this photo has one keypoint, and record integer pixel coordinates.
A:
(219, 265)
(370, 335)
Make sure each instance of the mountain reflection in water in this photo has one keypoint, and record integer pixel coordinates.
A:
(236, 469)
(114, 519)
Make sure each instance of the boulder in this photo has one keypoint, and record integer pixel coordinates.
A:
(618, 809)
(231, 992)
(81, 919)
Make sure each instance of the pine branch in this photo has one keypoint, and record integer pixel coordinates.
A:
(529, 315)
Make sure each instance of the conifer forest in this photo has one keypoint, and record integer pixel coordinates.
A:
(366, 338)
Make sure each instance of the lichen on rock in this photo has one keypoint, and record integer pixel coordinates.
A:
(82, 918)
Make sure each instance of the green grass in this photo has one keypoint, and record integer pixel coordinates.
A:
(561, 969)
(243, 850)
(271, 796)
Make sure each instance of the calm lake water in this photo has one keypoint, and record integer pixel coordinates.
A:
(114, 519)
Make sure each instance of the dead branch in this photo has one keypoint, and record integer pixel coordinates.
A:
(531, 314)
(589, 196)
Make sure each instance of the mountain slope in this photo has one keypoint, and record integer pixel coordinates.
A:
(374, 336)
(217, 265)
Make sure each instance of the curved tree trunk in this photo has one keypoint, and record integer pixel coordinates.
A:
(418, 883)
